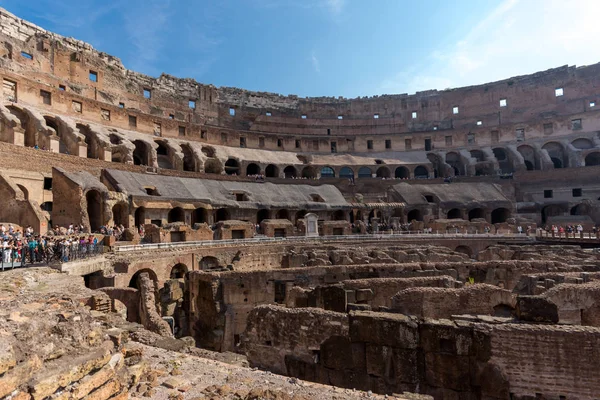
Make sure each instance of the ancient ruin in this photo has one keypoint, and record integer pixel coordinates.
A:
(173, 240)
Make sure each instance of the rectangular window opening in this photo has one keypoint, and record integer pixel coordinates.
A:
(171, 116)
(298, 144)
(132, 121)
(121, 105)
(47, 183)
(548, 128)
(592, 104)
(414, 115)
(448, 140)
(268, 114)
(503, 102)
(495, 136)
(576, 124)
(559, 92)
(333, 147)
(455, 110)
(369, 144)
(157, 129)
(328, 131)
(315, 144)
(520, 134)
(147, 93)
(242, 142)
(340, 117)
(470, 138)
(27, 55)
(203, 134)
(407, 144)
(105, 114)
(223, 137)
(548, 194)
(279, 143)
(93, 76)
(388, 144)
(261, 142)
(62, 87)
(303, 116)
(182, 131)
(77, 107)
(577, 192)
(46, 97)
(427, 144)
(232, 111)
(376, 116)
(479, 123)
(192, 104)
(435, 127)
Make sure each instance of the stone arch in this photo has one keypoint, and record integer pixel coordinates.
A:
(504, 161)
(402, 173)
(580, 209)
(282, 214)
(176, 214)
(189, 160)
(309, 173)
(133, 282)
(500, 215)
(222, 214)
(178, 271)
(261, 215)
(454, 160)
(252, 169)
(120, 212)
(592, 159)
(115, 139)
(464, 250)
(232, 166)
(290, 172)
(327, 172)
(415, 215)
(476, 213)
(530, 156)
(199, 216)
(477, 155)
(94, 209)
(346, 173)
(208, 263)
(208, 151)
(141, 154)
(383, 172)
(140, 216)
(454, 213)
(31, 137)
(557, 154)
(93, 149)
(421, 172)
(62, 140)
(582, 143)
(300, 214)
(338, 215)
(364, 172)
(551, 210)
(272, 171)
(24, 190)
(437, 163)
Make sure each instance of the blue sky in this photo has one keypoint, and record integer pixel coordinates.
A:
(330, 47)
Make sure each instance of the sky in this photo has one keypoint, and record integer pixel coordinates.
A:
(336, 48)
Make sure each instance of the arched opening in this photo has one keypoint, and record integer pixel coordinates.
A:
(290, 172)
(208, 151)
(114, 139)
(454, 214)
(252, 169)
(140, 216)
(530, 157)
(421, 172)
(46, 206)
(221, 215)
(592, 159)
(178, 271)
(232, 167)
(133, 283)
(500, 215)
(346, 173)
(120, 213)
(365, 172)
(436, 163)
(582, 144)
(90, 140)
(338, 215)
(464, 250)
(556, 153)
(25, 191)
(62, 144)
(580, 209)
(552, 210)
(402, 173)
(383, 172)
(208, 263)
(282, 214)
(140, 154)
(176, 215)
(309, 173)
(272, 171)
(189, 161)
(476, 213)
(327, 172)
(94, 209)
(453, 159)
(300, 214)
(213, 166)
(477, 155)
(414, 215)
(199, 216)
(504, 162)
(262, 215)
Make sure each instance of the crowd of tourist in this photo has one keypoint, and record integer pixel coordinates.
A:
(27, 247)
(569, 229)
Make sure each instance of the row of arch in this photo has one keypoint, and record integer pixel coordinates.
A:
(498, 215)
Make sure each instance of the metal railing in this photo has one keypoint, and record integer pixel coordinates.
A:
(26, 257)
(301, 239)
(568, 235)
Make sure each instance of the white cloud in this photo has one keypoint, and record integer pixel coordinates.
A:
(315, 62)
(518, 37)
